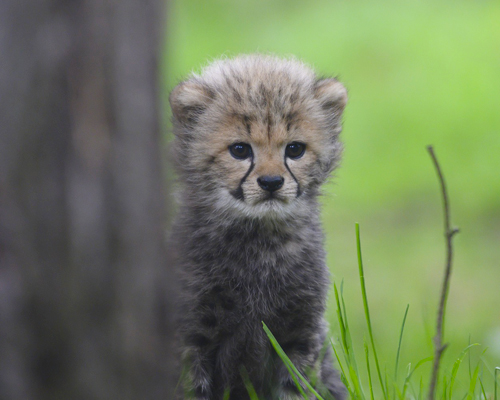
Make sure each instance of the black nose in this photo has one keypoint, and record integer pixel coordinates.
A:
(270, 183)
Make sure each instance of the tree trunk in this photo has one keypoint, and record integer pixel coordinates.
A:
(85, 285)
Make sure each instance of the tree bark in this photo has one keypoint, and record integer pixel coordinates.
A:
(86, 291)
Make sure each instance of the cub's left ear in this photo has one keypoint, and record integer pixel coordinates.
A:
(332, 95)
(189, 101)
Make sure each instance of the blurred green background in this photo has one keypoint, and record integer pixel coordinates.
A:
(418, 73)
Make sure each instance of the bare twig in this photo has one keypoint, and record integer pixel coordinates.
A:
(439, 347)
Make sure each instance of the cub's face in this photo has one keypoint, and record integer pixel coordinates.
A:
(265, 167)
(256, 148)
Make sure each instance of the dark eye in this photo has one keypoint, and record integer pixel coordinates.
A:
(240, 151)
(295, 150)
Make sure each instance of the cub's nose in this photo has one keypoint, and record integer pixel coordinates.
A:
(270, 183)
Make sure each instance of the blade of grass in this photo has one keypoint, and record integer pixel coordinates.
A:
(397, 391)
(347, 347)
(248, 384)
(386, 375)
(291, 368)
(182, 379)
(350, 347)
(411, 372)
(340, 317)
(470, 368)
(400, 341)
(456, 365)
(496, 373)
(358, 388)
(367, 311)
(482, 389)
(369, 372)
(342, 370)
(473, 382)
(286, 361)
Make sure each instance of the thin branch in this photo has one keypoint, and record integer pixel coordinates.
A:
(439, 347)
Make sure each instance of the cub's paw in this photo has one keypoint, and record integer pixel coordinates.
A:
(290, 391)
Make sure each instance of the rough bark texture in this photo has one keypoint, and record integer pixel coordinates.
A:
(85, 288)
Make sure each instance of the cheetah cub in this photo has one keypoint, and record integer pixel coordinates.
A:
(255, 137)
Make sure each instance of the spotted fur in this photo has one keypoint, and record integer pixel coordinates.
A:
(248, 253)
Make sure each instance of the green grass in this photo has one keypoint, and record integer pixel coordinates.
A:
(389, 386)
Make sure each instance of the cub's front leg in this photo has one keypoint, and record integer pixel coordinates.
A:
(315, 363)
(198, 329)
(304, 354)
(212, 343)
(198, 360)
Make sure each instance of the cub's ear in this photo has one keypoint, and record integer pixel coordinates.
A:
(332, 96)
(189, 101)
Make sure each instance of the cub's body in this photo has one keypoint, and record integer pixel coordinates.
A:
(255, 138)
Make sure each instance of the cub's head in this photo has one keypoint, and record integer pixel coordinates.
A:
(256, 135)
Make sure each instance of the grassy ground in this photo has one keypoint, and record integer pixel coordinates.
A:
(418, 73)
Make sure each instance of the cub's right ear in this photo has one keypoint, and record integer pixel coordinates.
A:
(189, 101)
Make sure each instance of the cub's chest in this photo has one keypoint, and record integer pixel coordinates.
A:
(265, 296)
